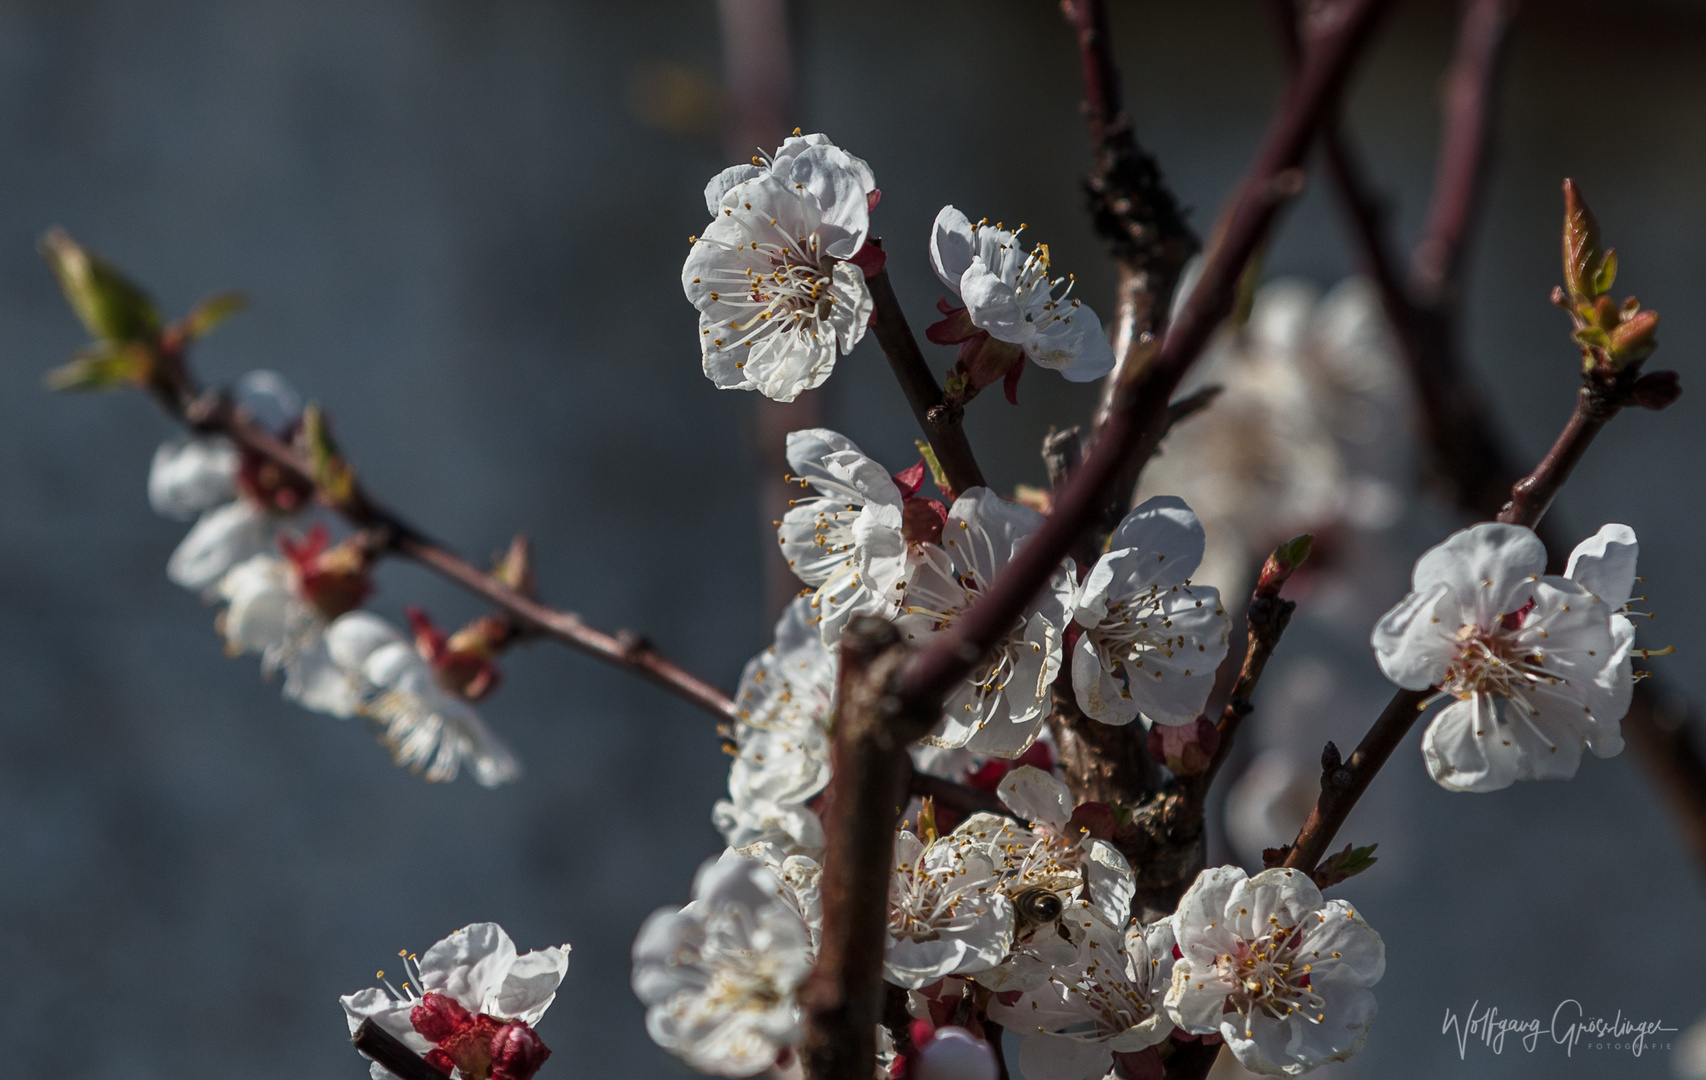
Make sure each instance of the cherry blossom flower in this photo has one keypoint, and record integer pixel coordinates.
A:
(781, 739)
(719, 976)
(1151, 639)
(1281, 973)
(849, 540)
(240, 500)
(1011, 298)
(1050, 871)
(280, 609)
(1104, 1002)
(947, 914)
(415, 689)
(469, 1005)
(1538, 665)
(775, 275)
(1000, 707)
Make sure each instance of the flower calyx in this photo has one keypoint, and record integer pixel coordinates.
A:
(335, 579)
(464, 662)
(478, 1045)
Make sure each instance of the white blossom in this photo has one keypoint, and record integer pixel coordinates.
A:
(770, 276)
(719, 976)
(1051, 871)
(239, 504)
(1011, 296)
(1282, 974)
(1000, 707)
(428, 727)
(947, 914)
(781, 738)
(1538, 665)
(1105, 1000)
(469, 1002)
(1152, 640)
(280, 608)
(846, 540)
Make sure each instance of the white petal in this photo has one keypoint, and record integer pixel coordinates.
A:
(951, 247)
(1485, 565)
(531, 984)
(1466, 748)
(1036, 796)
(224, 537)
(469, 965)
(189, 476)
(1605, 564)
(1416, 641)
(269, 399)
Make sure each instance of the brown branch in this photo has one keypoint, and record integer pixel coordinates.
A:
(389, 1051)
(1130, 205)
(214, 414)
(941, 423)
(843, 996)
(1265, 621)
(1341, 787)
(965, 799)
(1136, 423)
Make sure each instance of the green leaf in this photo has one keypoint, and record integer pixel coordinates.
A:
(1607, 272)
(928, 453)
(105, 367)
(1346, 864)
(211, 312)
(332, 474)
(110, 306)
(1591, 337)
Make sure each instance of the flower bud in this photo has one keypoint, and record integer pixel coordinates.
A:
(1186, 749)
(437, 1017)
(954, 1053)
(517, 1052)
(1657, 389)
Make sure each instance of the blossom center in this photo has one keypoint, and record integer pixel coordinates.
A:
(1492, 663)
(1269, 976)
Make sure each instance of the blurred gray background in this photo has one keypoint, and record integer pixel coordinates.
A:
(461, 227)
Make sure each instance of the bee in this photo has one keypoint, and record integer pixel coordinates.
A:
(1036, 906)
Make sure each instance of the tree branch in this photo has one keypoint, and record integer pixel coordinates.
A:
(843, 996)
(941, 423)
(1130, 205)
(1135, 424)
(388, 1050)
(214, 414)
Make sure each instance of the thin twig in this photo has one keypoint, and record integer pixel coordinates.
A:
(216, 415)
(961, 797)
(1136, 423)
(940, 422)
(388, 1050)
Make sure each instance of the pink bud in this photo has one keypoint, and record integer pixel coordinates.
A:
(517, 1052)
(1187, 749)
(955, 1054)
(437, 1016)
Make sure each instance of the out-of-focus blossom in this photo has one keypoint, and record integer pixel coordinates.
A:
(280, 608)
(1282, 974)
(413, 689)
(240, 500)
(1539, 665)
(719, 976)
(778, 294)
(469, 1005)
(1151, 639)
(1309, 432)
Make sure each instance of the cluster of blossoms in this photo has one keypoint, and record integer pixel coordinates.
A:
(293, 598)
